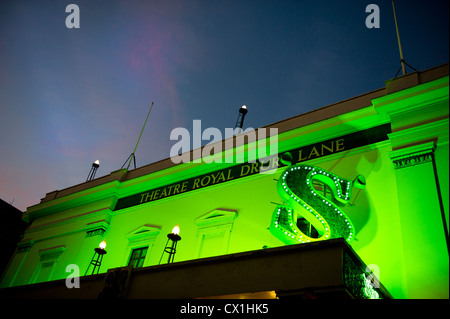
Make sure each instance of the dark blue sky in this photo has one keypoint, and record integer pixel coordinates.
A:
(71, 96)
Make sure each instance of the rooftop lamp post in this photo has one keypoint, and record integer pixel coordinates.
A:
(240, 120)
(171, 248)
(93, 170)
(96, 260)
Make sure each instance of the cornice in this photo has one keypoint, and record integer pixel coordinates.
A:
(414, 155)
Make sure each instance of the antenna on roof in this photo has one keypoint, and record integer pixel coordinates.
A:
(402, 60)
(132, 156)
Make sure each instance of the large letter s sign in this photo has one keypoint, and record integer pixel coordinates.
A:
(295, 187)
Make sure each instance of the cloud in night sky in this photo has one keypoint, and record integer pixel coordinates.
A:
(71, 96)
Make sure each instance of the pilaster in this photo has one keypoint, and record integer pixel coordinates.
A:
(419, 120)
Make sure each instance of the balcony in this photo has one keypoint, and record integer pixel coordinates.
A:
(326, 269)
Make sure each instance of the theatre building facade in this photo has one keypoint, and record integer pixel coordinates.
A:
(347, 201)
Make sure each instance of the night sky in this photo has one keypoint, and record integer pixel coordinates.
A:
(71, 96)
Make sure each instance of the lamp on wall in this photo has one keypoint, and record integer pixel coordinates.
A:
(171, 248)
(96, 260)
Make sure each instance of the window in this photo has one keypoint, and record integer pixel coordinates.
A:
(214, 230)
(137, 257)
(48, 259)
(140, 244)
(45, 271)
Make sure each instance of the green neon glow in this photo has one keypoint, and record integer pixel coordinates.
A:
(295, 187)
(368, 289)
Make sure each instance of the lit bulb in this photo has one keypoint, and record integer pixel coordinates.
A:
(176, 230)
(102, 244)
(97, 162)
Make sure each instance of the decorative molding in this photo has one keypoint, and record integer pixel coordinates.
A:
(95, 232)
(412, 160)
(96, 228)
(144, 233)
(51, 254)
(216, 217)
(413, 97)
(103, 213)
(433, 131)
(24, 247)
(415, 155)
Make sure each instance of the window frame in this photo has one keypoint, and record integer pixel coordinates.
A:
(141, 259)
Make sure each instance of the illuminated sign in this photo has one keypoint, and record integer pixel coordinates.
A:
(300, 154)
(295, 187)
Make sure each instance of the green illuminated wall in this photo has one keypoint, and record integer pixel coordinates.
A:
(419, 141)
(397, 220)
